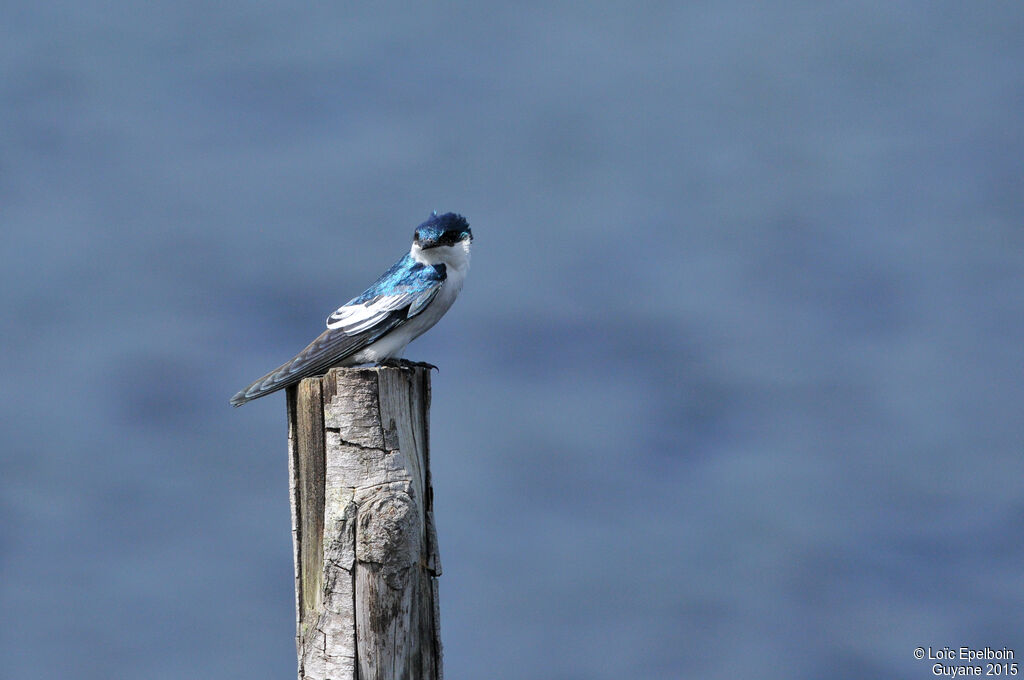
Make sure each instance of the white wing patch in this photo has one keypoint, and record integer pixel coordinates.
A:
(356, 318)
(353, 318)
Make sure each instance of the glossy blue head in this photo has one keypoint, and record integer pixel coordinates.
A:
(443, 230)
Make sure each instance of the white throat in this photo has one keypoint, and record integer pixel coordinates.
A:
(452, 257)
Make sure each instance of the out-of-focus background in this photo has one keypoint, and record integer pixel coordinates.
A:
(734, 388)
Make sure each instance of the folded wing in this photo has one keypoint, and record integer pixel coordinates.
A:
(408, 284)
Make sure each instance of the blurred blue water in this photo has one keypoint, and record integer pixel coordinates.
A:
(733, 390)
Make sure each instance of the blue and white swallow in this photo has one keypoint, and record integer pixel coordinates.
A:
(401, 305)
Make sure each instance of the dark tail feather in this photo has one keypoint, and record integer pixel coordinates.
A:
(332, 347)
(264, 386)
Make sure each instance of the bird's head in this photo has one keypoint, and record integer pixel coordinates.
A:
(442, 230)
(442, 239)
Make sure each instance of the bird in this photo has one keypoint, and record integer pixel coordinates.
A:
(375, 327)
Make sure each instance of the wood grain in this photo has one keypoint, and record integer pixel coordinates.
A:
(362, 519)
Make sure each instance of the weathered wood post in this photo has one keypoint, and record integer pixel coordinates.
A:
(366, 561)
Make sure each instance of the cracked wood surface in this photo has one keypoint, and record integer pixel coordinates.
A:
(365, 548)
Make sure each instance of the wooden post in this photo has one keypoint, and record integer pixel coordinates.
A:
(366, 561)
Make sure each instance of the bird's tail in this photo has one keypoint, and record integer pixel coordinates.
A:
(314, 360)
(330, 349)
(271, 382)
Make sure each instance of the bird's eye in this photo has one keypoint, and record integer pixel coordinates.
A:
(416, 236)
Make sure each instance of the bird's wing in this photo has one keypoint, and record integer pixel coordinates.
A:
(407, 284)
(398, 295)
